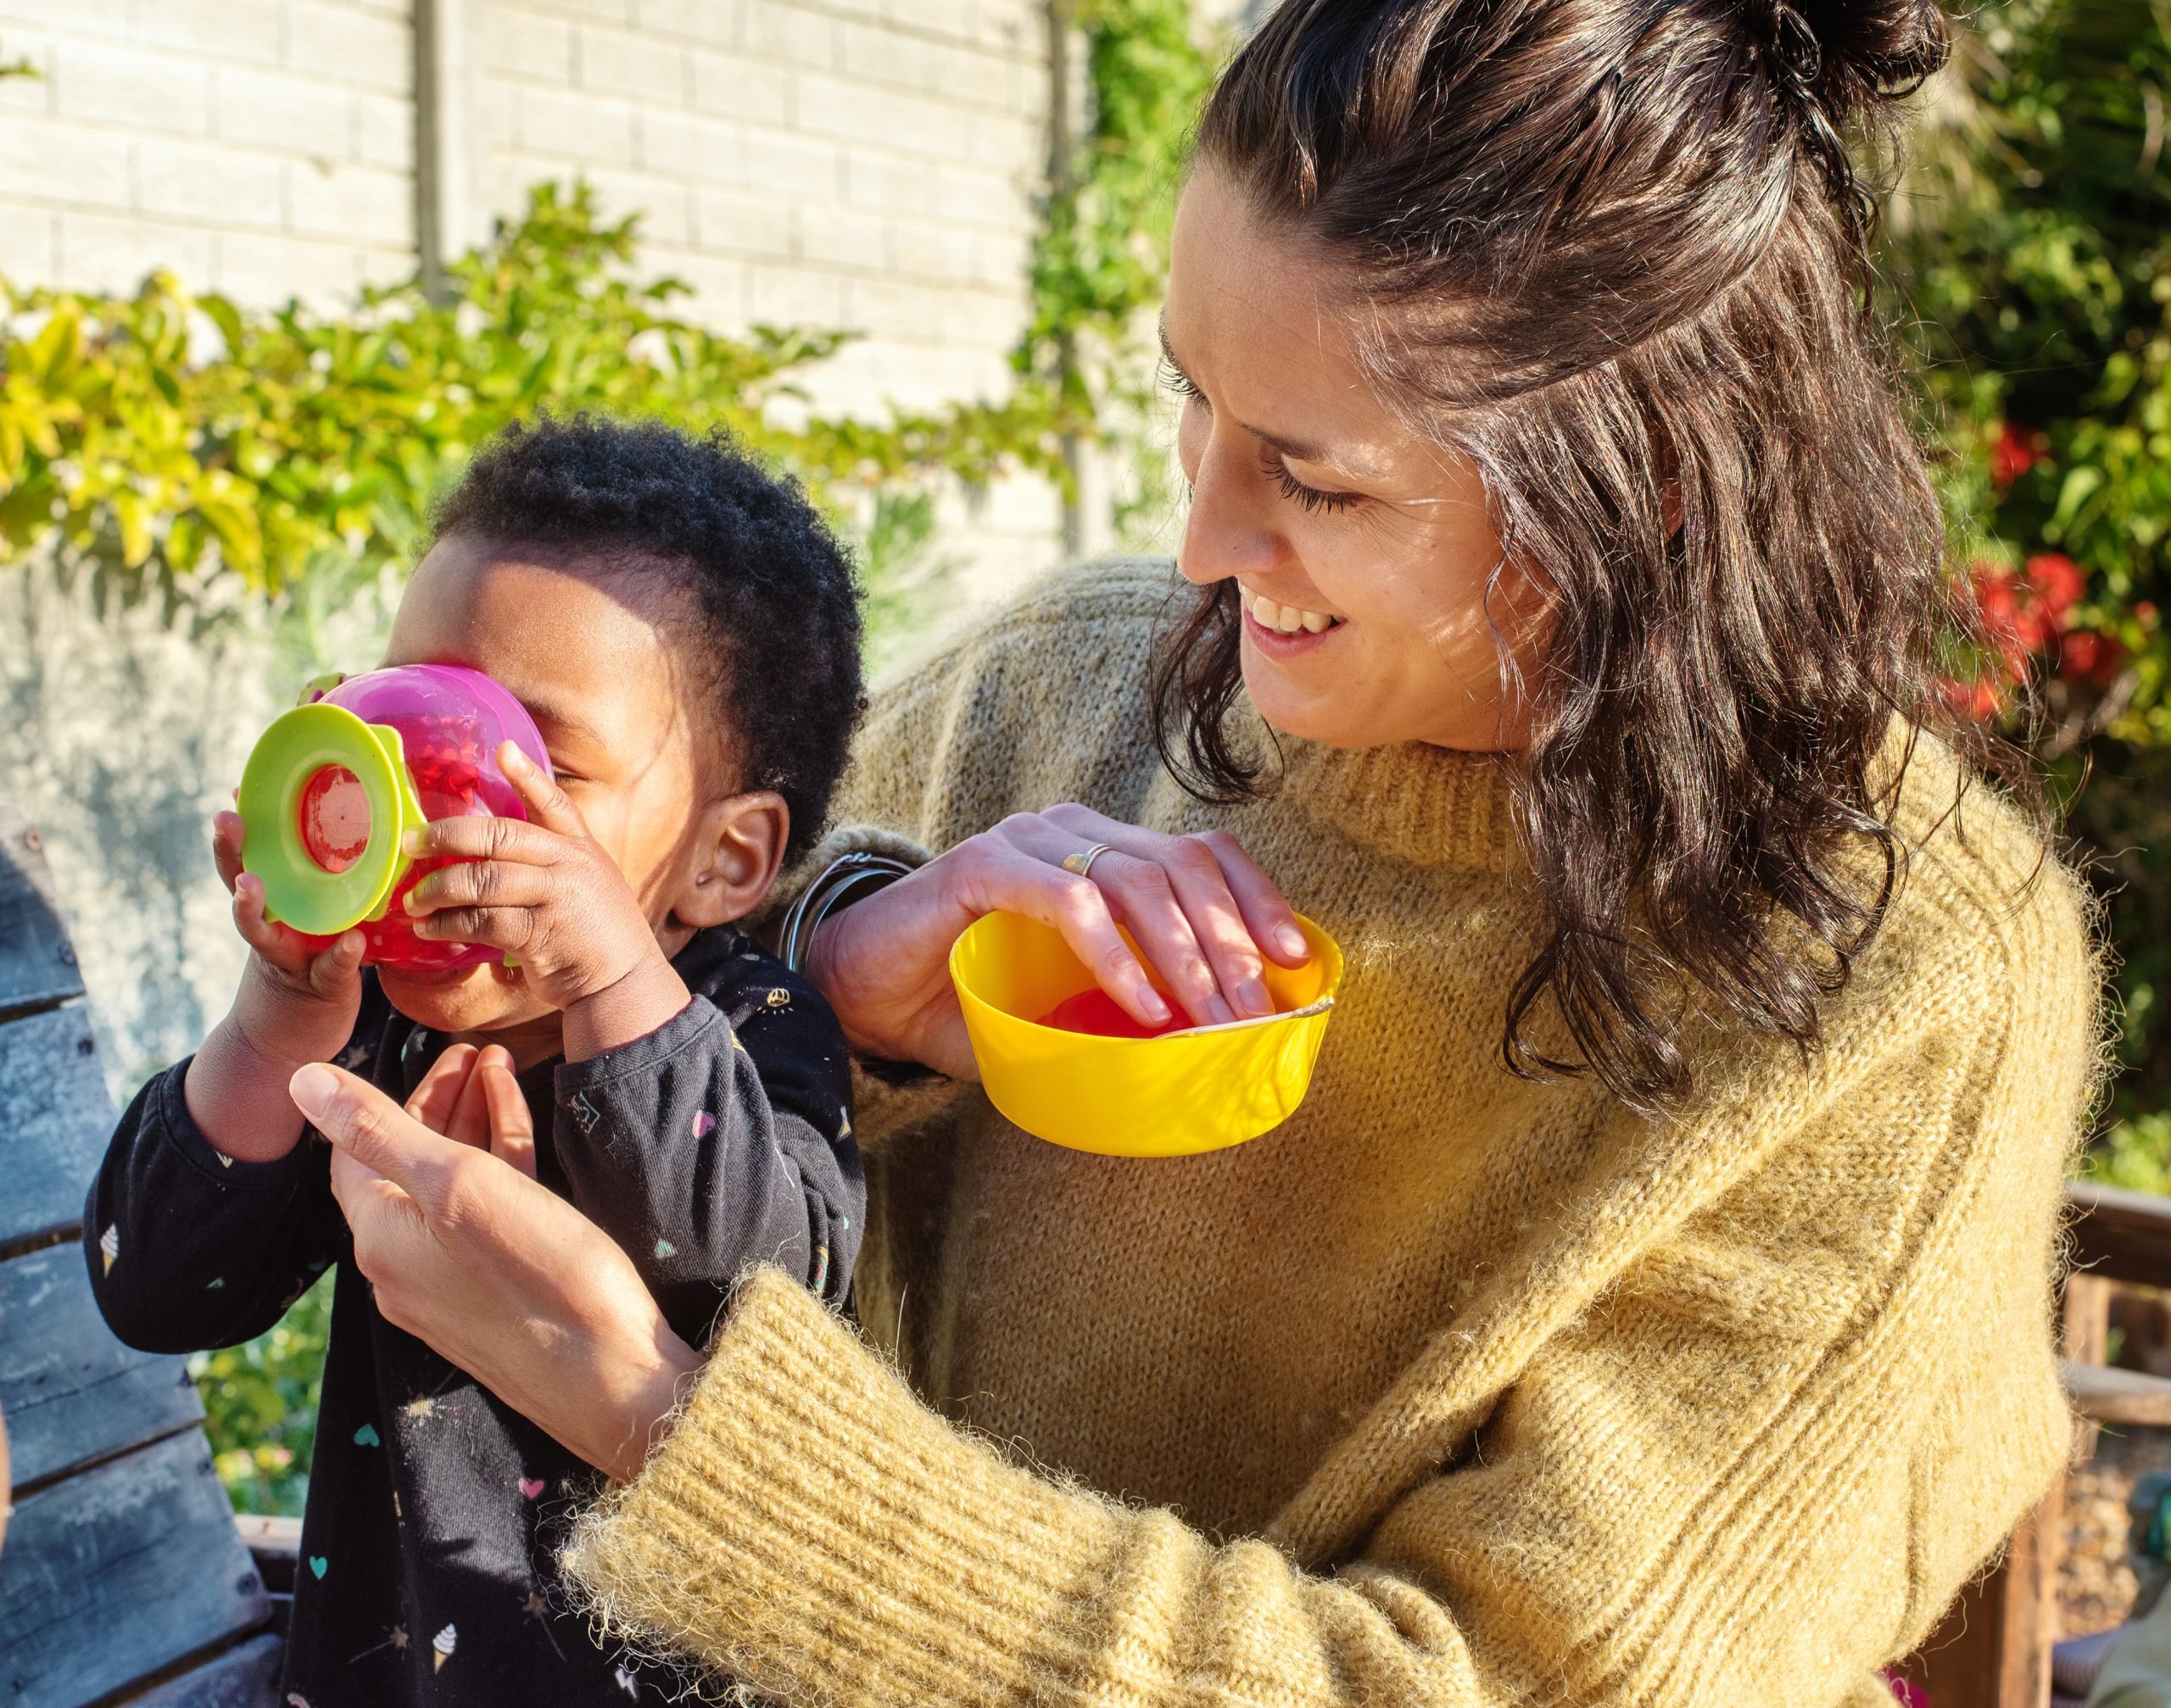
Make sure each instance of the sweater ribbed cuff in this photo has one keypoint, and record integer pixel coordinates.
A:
(810, 1528)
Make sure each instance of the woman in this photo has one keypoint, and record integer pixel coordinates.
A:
(1651, 1301)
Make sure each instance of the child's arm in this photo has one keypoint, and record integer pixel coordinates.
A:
(208, 1217)
(297, 1003)
(191, 1248)
(697, 1157)
(706, 1146)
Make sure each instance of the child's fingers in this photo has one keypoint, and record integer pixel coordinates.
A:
(227, 833)
(471, 1117)
(479, 883)
(262, 934)
(478, 836)
(547, 804)
(512, 1125)
(438, 1094)
(509, 929)
(335, 967)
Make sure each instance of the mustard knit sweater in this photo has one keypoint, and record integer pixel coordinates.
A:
(1454, 1389)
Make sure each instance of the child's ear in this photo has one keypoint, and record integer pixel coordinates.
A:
(738, 853)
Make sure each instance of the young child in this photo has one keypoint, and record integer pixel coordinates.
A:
(686, 633)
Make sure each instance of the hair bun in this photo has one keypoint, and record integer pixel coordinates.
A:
(1862, 55)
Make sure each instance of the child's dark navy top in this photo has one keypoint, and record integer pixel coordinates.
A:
(720, 1140)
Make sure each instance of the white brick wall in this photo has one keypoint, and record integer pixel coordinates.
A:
(869, 165)
(261, 147)
(863, 164)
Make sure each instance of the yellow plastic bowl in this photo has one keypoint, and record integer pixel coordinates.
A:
(1173, 1095)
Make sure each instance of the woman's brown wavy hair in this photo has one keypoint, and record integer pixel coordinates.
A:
(1622, 264)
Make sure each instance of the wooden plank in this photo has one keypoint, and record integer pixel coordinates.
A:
(70, 1391)
(243, 1678)
(2121, 1235)
(55, 1118)
(274, 1543)
(113, 1576)
(37, 965)
(1992, 1650)
(2117, 1396)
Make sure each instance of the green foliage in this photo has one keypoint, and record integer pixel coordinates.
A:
(1101, 262)
(261, 1398)
(154, 429)
(2134, 1154)
(160, 433)
(2032, 248)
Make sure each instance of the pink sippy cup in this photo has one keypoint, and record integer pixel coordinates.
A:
(332, 786)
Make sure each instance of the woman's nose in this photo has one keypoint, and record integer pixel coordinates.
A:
(1228, 531)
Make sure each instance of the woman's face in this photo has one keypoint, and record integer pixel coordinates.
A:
(1362, 550)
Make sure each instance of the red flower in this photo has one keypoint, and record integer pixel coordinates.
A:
(2057, 581)
(2012, 454)
(2090, 657)
(1979, 700)
(2011, 615)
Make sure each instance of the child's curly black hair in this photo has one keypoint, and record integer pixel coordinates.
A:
(775, 593)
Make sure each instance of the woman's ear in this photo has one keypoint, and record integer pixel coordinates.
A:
(738, 851)
(1670, 510)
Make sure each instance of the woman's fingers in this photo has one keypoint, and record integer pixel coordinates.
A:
(1271, 921)
(1001, 877)
(368, 1125)
(511, 1122)
(375, 1210)
(471, 1115)
(500, 1276)
(1141, 892)
(1177, 895)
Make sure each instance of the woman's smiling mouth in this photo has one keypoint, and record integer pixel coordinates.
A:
(1276, 618)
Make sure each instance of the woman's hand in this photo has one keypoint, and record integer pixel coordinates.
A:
(1205, 915)
(499, 1274)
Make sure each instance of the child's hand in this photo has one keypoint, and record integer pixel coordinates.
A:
(545, 892)
(473, 1098)
(299, 996)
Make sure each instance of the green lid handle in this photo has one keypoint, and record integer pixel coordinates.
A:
(297, 890)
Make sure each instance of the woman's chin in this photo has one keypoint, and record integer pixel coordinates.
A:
(1305, 709)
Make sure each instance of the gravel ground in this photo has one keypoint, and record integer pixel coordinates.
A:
(2095, 1579)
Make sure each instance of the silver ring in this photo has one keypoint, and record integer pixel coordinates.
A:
(1082, 863)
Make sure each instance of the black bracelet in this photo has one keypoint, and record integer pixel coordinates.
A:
(847, 879)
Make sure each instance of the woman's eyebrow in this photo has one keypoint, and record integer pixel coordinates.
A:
(1302, 450)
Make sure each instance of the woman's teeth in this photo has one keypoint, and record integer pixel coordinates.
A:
(1286, 619)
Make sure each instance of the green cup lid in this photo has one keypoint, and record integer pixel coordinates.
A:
(297, 890)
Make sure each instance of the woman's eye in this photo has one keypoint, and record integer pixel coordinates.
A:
(1173, 378)
(1312, 497)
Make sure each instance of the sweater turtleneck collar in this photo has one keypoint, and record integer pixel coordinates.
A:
(1412, 801)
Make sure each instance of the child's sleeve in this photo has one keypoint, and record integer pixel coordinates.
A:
(722, 1139)
(190, 1248)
